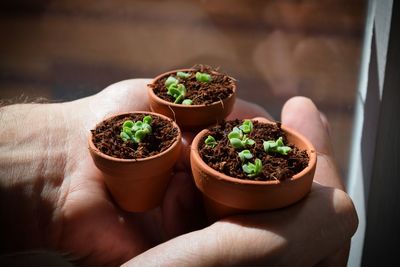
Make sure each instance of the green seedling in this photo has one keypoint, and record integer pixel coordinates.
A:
(177, 91)
(246, 127)
(203, 77)
(276, 147)
(235, 133)
(210, 141)
(245, 155)
(136, 131)
(183, 75)
(240, 144)
(187, 102)
(253, 169)
(171, 80)
(239, 140)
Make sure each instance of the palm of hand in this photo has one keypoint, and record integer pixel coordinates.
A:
(91, 227)
(89, 223)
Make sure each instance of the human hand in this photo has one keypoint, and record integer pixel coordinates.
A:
(73, 213)
(315, 231)
(55, 196)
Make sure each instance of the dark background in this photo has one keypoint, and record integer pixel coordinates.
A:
(63, 50)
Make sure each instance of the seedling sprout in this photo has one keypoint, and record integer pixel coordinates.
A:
(203, 77)
(136, 131)
(210, 141)
(176, 89)
(276, 147)
(253, 169)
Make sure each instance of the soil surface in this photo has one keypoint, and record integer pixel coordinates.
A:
(201, 93)
(224, 158)
(106, 137)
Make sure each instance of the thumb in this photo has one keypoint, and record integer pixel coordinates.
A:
(125, 96)
(301, 114)
(264, 239)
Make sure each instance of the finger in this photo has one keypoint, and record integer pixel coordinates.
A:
(127, 95)
(325, 122)
(300, 114)
(339, 258)
(182, 206)
(301, 235)
(124, 96)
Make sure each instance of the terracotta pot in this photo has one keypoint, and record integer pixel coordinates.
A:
(225, 195)
(191, 117)
(138, 184)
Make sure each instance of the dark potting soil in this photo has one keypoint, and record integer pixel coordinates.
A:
(106, 137)
(201, 93)
(224, 158)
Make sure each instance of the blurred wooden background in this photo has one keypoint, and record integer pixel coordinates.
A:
(64, 50)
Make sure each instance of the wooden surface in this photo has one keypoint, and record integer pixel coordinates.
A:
(63, 50)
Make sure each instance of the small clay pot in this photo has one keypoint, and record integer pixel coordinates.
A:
(191, 117)
(225, 195)
(138, 184)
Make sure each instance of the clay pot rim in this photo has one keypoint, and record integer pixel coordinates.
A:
(221, 176)
(165, 102)
(94, 149)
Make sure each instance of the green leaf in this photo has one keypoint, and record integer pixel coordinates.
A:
(237, 130)
(187, 102)
(170, 80)
(252, 169)
(276, 146)
(139, 135)
(248, 141)
(236, 143)
(247, 126)
(203, 77)
(173, 90)
(210, 141)
(137, 126)
(269, 145)
(125, 137)
(127, 123)
(127, 130)
(279, 142)
(234, 135)
(147, 128)
(245, 154)
(182, 74)
(248, 168)
(178, 91)
(258, 166)
(147, 119)
(179, 99)
(284, 150)
(182, 89)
